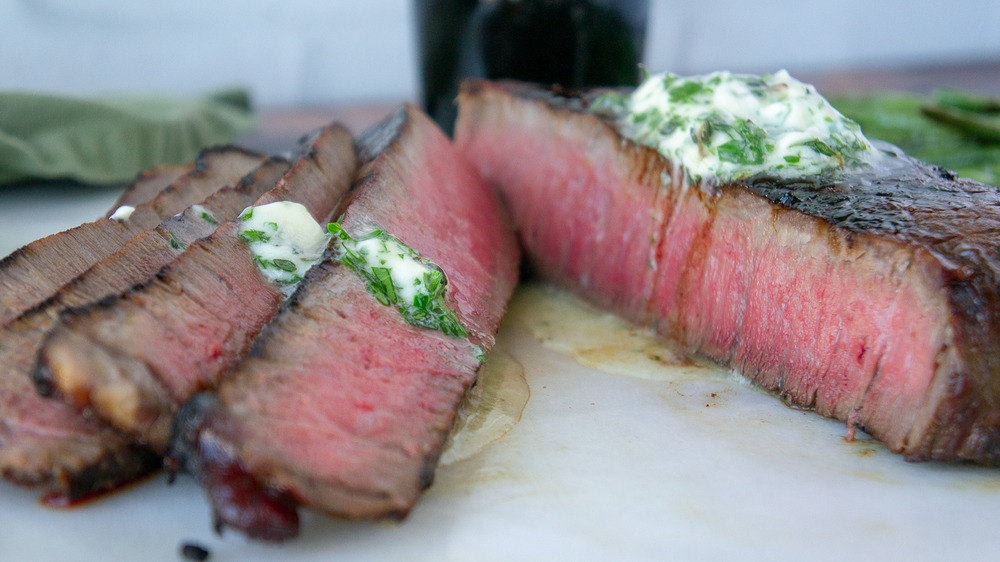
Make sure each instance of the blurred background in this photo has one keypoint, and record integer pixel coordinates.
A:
(314, 53)
(305, 63)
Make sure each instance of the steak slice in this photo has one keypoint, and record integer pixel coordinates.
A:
(148, 184)
(342, 405)
(47, 443)
(134, 359)
(36, 271)
(872, 298)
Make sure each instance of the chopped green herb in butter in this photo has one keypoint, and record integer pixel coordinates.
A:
(731, 126)
(285, 240)
(203, 213)
(175, 242)
(397, 275)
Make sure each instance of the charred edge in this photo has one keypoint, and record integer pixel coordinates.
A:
(377, 139)
(428, 469)
(567, 101)
(238, 500)
(202, 161)
(306, 148)
(945, 173)
(41, 373)
(116, 469)
(20, 253)
(306, 152)
(259, 346)
(51, 306)
(182, 448)
(201, 165)
(250, 180)
(150, 173)
(161, 277)
(574, 99)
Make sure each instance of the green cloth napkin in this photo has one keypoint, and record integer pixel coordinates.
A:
(108, 140)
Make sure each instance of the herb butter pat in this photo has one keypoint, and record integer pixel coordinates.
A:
(122, 213)
(731, 126)
(285, 240)
(397, 275)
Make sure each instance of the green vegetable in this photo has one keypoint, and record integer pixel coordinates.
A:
(980, 127)
(916, 124)
(968, 101)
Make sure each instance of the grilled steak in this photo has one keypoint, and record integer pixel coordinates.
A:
(48, 443)
(342, 405)
(34, 272)
(133, 359)
(148, 184)
(872, 298)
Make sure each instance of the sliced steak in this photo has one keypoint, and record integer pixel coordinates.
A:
(872, 298)
(150, 251)
(48, 443)
(148, 184)
(342, 405)
(36, 271)
(134, 359)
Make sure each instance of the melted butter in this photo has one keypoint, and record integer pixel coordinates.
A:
(600, 340)
(285, 240)
(398, 275)
(122, 213)
(491, 408)
(405, 269)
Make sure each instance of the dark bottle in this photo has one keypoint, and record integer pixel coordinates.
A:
(573, 43)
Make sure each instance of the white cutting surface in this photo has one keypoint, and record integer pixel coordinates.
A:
(686, 464)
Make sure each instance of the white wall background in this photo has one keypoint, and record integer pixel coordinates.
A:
(315, 52)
